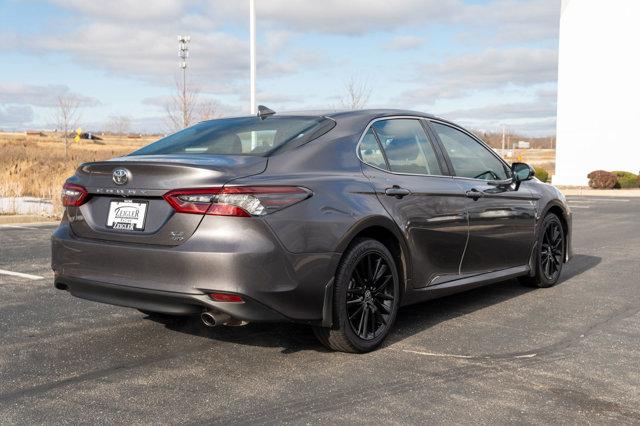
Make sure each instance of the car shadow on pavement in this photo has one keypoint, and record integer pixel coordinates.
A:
(291, 338)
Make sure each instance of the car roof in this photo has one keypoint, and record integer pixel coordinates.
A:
(360, 113)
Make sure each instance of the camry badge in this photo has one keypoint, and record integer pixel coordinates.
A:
(120, 176)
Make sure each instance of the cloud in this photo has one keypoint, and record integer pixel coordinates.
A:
(534, 117)
(508, 18)
(492, 69)
(125, 9)
(405, 42)
(15, 115)
(42, 96)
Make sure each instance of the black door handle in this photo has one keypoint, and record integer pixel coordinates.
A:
(397, 192)
(474, 193)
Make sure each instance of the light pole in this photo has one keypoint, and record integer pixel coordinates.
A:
(252, 53)
(183, 52)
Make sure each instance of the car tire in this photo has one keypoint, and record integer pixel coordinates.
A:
(365, 300)
(549, 254)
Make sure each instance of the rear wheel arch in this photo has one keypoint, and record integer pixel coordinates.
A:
(386, 231)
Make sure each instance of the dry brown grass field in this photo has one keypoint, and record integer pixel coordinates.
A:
(36, 165)
(544, 158)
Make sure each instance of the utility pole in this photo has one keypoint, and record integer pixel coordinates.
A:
(252, 53)
(183, 52)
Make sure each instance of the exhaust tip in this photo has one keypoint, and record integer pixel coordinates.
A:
(209, 319)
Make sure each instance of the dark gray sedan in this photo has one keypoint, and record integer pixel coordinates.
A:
(330, 219)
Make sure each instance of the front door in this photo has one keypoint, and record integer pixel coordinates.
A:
(501, 219)
(427, 205)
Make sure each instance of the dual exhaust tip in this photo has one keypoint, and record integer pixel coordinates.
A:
(215, 319)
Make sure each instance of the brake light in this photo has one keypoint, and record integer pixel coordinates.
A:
(243, 201)
(73, 195)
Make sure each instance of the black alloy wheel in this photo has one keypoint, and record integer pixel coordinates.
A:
(552, 250)
(366, 298)
(549, 254)
(370, 300)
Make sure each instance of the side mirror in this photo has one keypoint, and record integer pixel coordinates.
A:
(522, 172)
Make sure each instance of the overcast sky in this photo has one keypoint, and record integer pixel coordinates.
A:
(482, 63)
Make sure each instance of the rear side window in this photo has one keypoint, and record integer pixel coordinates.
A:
(370, 151)
(238, 136)
(469, 158)
(406, 146)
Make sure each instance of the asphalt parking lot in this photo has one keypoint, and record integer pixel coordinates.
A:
(501, 354)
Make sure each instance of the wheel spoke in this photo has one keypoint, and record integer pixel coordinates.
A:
(375, 270)
(380, 273)
(358, 300)
(356, 277)
(369, 267)
(356, 312)
(384, 296)
(383, 285)
(383, 307)
(372, 316)
(365, 323)
(545, 265)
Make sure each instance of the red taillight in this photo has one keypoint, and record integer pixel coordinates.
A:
(73, 195)
(244, 201)
(225, 297)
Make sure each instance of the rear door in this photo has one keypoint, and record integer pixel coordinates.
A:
(410, 179)
(501, 219)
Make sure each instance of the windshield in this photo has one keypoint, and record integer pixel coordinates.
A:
(236, 136)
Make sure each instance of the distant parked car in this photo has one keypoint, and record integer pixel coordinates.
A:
(329, 219)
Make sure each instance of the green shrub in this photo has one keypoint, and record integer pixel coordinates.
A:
(626, 179)
(542, 174)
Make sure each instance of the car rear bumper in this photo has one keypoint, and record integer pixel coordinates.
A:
(165, 301)
(275, 284)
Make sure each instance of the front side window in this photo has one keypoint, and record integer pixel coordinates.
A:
(406, 146)
(237, 136)
(469, 158)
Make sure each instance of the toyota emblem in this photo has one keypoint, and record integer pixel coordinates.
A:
(120, 176)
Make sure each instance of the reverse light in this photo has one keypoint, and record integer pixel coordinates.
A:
(73, 195)
(225, 297)
(242, 201)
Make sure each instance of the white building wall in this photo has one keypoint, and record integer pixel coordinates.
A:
(598, 89)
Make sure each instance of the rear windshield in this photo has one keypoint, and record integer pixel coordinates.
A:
(238, 136)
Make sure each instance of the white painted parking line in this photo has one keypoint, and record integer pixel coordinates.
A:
(21, 275)
(32, 226)
(599, 200)
(19, 227)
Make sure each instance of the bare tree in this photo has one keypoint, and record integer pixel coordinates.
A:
(181, 107)
(208, 110)
(67, 116)
(357, 93)
(119, 124)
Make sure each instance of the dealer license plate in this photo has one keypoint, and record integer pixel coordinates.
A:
(127, 215)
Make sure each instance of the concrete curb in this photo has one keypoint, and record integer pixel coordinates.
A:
(24, 219)
(588, 192)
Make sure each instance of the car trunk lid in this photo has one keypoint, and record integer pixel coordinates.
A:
(147, 179)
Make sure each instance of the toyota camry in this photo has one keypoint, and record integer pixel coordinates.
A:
(334, 220)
